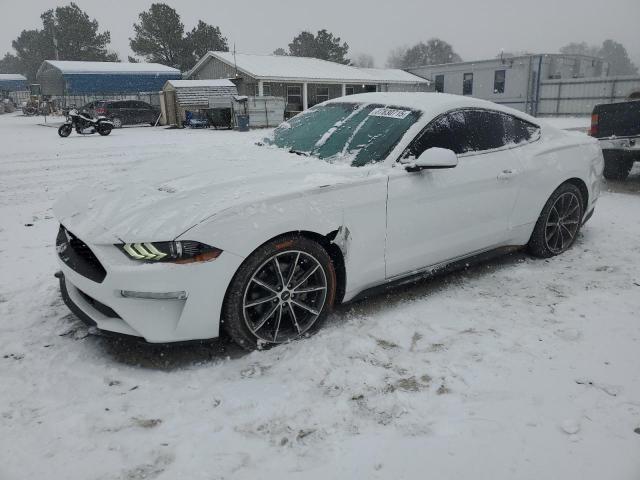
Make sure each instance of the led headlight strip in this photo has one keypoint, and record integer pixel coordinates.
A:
(183, 251)
(144, 251)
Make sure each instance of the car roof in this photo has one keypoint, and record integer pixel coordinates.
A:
(431, 103)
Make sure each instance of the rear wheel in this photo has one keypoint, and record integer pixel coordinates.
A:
(282, 292)
(616, 166)
(117, 122)
(64, 131)
(104, 130)
(559, 223)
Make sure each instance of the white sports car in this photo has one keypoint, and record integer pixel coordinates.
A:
(356, 193)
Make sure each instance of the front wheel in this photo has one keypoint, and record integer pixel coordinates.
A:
(65, 130)
(559, 223)
(282, 292)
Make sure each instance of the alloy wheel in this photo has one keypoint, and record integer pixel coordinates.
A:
(285, 296)
(563, 222)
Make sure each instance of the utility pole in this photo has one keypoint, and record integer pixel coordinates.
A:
(235, 64)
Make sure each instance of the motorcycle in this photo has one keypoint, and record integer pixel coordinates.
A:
(84, 124)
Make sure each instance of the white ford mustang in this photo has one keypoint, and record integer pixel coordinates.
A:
(355, 193)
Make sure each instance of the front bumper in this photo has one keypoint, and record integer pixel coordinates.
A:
(101, 304)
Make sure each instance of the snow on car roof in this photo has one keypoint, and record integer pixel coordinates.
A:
(306, 68)
(67, 66)
(201, 83)
(12, 77)
(430, 102)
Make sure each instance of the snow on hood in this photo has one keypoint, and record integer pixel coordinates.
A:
(160, 199)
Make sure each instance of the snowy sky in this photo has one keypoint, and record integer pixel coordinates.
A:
(477, 29)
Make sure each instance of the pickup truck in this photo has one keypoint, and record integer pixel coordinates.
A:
(617, 127)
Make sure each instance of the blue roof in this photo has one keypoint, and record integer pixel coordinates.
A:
(109, 77)
(13, 82)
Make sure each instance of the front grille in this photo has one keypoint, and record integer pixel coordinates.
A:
(101, 307)
(78, 256)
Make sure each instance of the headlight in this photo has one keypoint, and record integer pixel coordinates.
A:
(175, 252)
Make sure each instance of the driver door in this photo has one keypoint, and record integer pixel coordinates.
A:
(434, 216)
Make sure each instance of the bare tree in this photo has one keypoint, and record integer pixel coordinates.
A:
(363, 60)
(396, 57)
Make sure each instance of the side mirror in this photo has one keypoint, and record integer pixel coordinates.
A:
(434, 158)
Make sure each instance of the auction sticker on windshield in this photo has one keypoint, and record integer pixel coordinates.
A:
(389, 113)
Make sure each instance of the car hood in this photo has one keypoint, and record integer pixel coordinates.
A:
(160, 200)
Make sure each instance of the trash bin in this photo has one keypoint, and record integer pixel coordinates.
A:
(243, 122)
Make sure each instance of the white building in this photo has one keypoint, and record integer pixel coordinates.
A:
(301, 81)
(512, 81)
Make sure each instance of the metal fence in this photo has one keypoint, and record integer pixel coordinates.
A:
(578, 96)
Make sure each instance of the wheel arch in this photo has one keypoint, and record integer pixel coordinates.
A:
(326, 241)
(584, 191)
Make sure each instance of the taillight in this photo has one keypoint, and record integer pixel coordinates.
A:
(593, 131)
(101, 111)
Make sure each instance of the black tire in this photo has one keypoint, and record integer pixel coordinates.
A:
(295, 316)
(616, 166)
(104, 130)
(117, 122)
(64, 131)
(556, 229)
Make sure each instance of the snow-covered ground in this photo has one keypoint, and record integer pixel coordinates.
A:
(515, 369)
(570, 123)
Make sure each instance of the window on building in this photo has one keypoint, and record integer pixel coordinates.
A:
(322, 94)
(498, 81)
(467, 84)
(266, 89)
(349, 90)
(294, 94)
(439, 80)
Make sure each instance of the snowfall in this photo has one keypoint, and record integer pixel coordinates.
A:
(518, 368)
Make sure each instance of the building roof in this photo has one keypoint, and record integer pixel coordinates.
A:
(393, 75)
(508, 59)
(14, 77)
(201, 83)
(286, 67)
(72, 67)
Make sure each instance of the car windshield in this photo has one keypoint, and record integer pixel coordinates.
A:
(355, 133)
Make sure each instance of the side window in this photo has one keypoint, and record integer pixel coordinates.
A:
(517, 130)
(467, 131)
(485, 130)
(446, 131)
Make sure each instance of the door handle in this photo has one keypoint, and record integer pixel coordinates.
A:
(507, 174)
